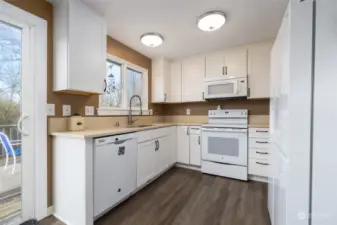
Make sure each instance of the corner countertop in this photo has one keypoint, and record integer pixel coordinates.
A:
(258, 125)
(95, 133)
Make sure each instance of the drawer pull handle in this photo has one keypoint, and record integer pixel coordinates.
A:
(263, 164)
(261, 131)
(262, 153)
(261, 142)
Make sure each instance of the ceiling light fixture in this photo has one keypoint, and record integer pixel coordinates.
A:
(211, 21)
(151, 39)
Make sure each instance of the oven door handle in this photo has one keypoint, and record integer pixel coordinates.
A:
(225, 130)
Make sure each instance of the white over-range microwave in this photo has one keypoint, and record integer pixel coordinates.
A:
(225, 88)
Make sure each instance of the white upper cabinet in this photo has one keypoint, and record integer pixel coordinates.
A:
(160, 80)
(79, 48)
(193, 75)
(259, 69)
(175, 82)
(236, 62)
(215, 64)
(227, 63)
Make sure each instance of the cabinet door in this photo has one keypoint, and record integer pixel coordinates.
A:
(195, 150)
(160, 80)
(215, 65)
(193, 76)
(183, 145)
(162, 155)
(173, 145)
(86, 49)
(158, 94)
(146, 162)
(175, 82)
(114, 174)
(259, 69)
(236, 62)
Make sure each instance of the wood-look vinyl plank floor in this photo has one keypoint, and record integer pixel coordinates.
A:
(187, 197)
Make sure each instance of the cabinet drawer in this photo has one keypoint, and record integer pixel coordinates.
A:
(259, 167)
(259, 132)
(153, 134)
(260, 143)
(255, 153)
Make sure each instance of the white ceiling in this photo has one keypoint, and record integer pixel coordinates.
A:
(247, 21)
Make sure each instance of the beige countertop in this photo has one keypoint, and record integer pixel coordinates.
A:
(258, 125)
(94, 133)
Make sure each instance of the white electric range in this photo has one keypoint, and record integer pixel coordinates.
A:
(225, 144)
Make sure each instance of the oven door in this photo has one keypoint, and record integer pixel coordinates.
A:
(225, 145)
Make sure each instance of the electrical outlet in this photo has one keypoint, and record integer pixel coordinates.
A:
(89, 110)
(188, 112)
(50, 109)
(66, 110)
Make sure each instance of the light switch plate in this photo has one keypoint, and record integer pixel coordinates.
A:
(66, 110)
(89, 111)
(188, 112)
(50, 109)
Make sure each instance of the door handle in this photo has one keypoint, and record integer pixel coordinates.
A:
(156, 149)
(199, 140)
(165, 97)
(225, 70)
(188, 131)
(262, 153)
(18, 125)
(158, 145)
(105, 85)
(263, 164)
(261, 131)
(261, 142)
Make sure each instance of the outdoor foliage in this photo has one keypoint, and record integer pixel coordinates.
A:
(10, 74)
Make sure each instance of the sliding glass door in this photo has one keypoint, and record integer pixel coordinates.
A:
(16, 130)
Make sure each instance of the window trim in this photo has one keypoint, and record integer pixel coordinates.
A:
(106, 111)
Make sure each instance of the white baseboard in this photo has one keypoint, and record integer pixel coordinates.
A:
(197, 168)
(50, 210)
(258, 178)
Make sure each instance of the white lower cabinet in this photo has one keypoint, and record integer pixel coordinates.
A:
(145, 164)
(183, 145)
(259, 152)
(195, 147)
(162, 155)
(188, 145)
(107, 170)
(155, 155)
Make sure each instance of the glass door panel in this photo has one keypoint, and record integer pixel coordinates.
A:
(10, 112)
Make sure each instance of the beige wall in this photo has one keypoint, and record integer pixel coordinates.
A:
(255, 107)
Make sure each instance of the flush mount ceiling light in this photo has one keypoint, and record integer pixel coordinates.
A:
(151, 39)
(211, 21)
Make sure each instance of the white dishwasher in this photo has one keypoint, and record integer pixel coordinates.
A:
(115, 171)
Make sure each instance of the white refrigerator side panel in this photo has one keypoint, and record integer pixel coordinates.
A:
(324, 182)
(291, 84)
(300, 103)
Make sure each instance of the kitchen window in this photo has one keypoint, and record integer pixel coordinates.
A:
(123, 80)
